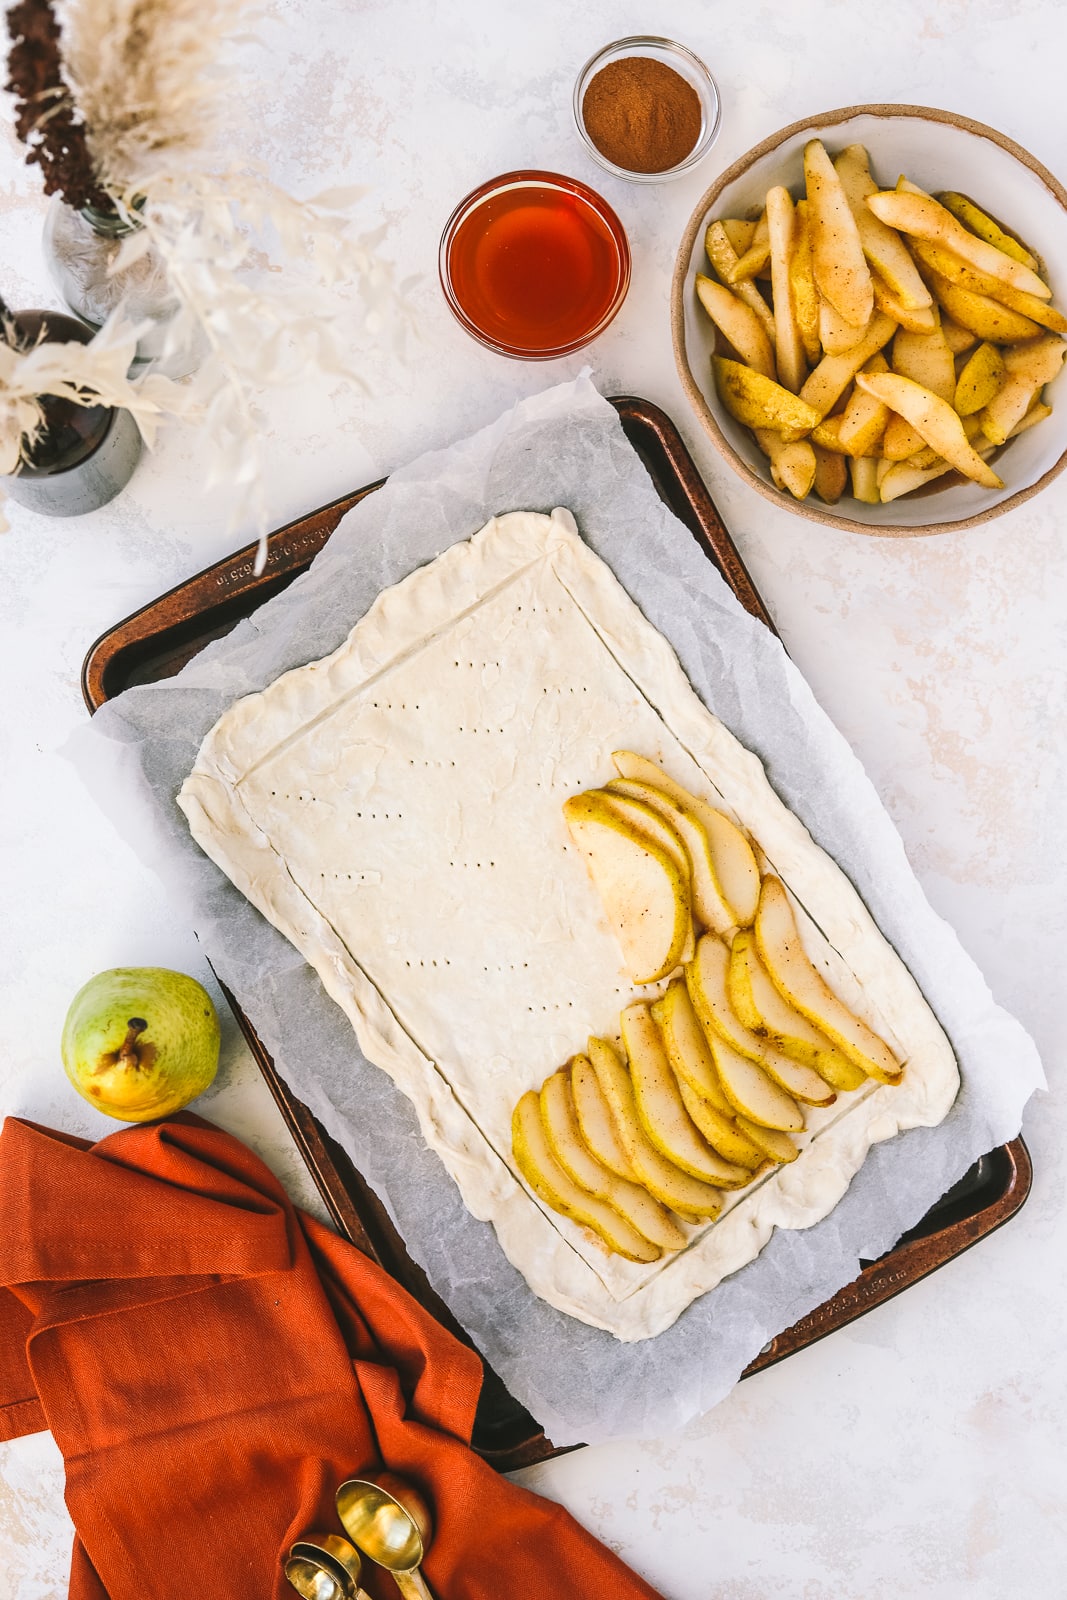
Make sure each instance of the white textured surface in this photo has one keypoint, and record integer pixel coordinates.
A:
(919, 1453)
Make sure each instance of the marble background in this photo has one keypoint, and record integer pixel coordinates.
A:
(920, 1452)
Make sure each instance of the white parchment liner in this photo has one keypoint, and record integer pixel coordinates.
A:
(564, 447)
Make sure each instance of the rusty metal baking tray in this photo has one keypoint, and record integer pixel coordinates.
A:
(159, 639)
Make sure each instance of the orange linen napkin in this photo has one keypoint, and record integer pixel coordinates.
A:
(214, 1363)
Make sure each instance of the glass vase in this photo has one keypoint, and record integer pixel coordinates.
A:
(80, 248)
(83, 455)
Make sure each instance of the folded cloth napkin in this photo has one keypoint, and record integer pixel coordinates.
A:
(213, 1363)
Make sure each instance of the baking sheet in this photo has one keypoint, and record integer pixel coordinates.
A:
(564, 447)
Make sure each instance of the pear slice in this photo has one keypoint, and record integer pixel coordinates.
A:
(778, 942)
(763, 1010)
(776, 1146)
(565, 1141)
(645, 895)
(707, 976)
(660, 1108)
(732, 857)
(559, 1191)
(686, 1046)
(668, 1183)
(648, 822)
(752, 1094)
(723, 1135)
(698, 1082)
(710, 909)
(595, 1120)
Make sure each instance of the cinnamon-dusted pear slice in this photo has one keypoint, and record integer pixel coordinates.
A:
(648, 822)
(595, 1121)
(837, 256)
(711, 1124)
(767, 1013)
(644, 892)
(759, 402)
(754, 1097)
(668, 1183)
(920, 215)
(660, 1108)
(565, 1141)
(976, 221)
(707, 977)
(559, 1191)
(732, 857)
(885, 250)
(709, 906)
(698, 1082)
(778, 942)
(776, 1146)
(933, 420)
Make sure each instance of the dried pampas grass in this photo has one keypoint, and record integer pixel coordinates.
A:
(264, 283)
(149, 81)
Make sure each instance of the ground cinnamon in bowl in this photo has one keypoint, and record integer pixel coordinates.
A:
(646, 108)
(642, 115)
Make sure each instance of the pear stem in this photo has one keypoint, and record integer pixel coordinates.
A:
(129, 1055)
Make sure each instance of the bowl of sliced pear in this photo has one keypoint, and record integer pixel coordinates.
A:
(639, 1138)
(865, 319)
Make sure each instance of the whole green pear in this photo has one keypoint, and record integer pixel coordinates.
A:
(141, 1042)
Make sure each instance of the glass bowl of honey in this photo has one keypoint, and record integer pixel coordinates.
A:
(534, 265)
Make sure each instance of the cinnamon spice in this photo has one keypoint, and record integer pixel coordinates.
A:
(641, 114)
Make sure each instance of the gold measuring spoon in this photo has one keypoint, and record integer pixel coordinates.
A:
(323, 1566)
(312, 1581)
(390, 1522)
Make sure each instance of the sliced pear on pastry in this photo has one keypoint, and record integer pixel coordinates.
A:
(753, 1095)
(710, 909)
(732, 857)
(630, 1200)
(559, 1191)
(660, 1108)
(644, 893)
(648, 822)
(776, 1146)
(698, 1082)
(793, 974)
(595, 1120)
(707, 977)
(686, 1046)
(768, 1014)
(680, 1191)
(721, 1133)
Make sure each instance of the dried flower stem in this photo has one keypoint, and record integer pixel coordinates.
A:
(45, 117)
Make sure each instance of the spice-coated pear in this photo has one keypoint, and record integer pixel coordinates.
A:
(785, 958)
(645, 892)
(568, 1145)
(534, 1159)
(767, 1013)
(733, 860)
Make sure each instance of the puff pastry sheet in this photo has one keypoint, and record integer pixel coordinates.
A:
(394, 809)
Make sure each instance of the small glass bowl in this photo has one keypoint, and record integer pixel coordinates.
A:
(542, 188)
(688, 66)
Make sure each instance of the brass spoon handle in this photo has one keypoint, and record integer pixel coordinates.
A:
(412, 1585)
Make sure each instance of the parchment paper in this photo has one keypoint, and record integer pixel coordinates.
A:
(564, 447)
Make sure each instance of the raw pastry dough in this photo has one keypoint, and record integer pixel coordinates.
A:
(394, 810)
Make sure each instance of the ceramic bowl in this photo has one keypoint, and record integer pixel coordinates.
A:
(937, 150)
